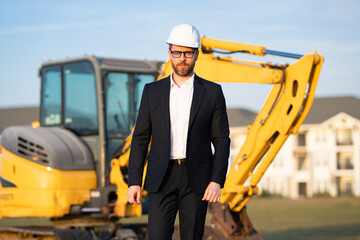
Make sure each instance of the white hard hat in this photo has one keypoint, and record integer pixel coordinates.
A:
(185, 35)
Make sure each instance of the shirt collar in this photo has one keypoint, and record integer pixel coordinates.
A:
(190, 81)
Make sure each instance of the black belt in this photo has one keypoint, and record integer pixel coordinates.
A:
(179, 161)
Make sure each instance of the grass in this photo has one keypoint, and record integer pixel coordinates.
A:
(277, 218)
(319, 218)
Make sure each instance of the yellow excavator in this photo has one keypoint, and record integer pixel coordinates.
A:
(73, 167)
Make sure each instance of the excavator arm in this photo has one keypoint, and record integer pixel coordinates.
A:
(283, 112)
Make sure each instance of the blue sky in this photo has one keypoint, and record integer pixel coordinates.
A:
(32, 32)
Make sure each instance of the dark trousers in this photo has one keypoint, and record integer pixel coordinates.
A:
(175, 195)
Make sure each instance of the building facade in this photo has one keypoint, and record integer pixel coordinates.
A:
(323, 158)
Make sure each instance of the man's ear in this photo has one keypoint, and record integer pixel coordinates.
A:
(197, 55)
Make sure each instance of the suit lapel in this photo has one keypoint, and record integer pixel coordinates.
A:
(164, 96)
(199, 90)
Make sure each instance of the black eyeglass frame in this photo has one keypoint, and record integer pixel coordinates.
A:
(192, 53)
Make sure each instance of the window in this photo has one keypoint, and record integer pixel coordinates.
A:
(320, 159)
(301, 163)
(345, 185)
(141, 80)
(80, 101)
(344, 137)
(123, 95)
(345, 160)
(69, 97)
(51, 96)
(302, 189)
(301, 139)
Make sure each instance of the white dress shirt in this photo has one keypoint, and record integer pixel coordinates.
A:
(180, 104)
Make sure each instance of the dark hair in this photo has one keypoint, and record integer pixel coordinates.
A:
(170, 46)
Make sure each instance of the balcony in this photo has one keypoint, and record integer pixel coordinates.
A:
(344, 161)
(344, 137)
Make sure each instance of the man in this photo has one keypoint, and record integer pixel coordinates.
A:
(182, 114)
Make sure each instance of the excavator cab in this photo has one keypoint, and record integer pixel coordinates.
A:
(88, 106)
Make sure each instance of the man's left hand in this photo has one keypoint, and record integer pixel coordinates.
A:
(212, 192)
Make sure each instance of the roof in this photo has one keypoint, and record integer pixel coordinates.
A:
(240, 117)
(18, 116)
(322, 109)
(327, 107)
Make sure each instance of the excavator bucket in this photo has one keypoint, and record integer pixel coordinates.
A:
(226, 225)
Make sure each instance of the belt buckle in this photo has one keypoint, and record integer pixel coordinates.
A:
(179, 161)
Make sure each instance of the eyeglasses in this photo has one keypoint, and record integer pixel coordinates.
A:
(187, 54)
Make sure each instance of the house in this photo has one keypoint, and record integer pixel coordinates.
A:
(323, 158)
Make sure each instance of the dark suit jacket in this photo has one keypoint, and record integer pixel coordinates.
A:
(208, 124)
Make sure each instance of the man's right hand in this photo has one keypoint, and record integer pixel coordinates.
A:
(133, 194)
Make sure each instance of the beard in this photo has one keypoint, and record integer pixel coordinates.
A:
(183, 69)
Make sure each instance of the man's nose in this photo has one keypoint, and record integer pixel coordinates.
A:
(182, 57)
